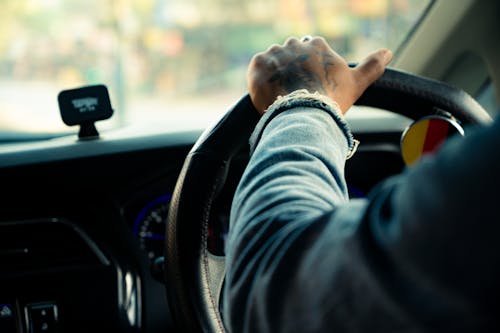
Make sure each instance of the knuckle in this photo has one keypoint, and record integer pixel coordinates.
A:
(376, 65)
(319, 41)
(291, 41)
(275, 48)
(259, 59)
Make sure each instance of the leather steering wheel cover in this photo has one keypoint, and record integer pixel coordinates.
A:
(190, 298)
(410, 95)
(187, 278)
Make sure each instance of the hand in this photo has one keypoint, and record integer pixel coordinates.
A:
(312, 65)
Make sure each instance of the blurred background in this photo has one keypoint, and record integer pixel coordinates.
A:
(167, 59)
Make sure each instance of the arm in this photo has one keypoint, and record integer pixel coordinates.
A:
(281, 208)
(294, 180)
(414, 257)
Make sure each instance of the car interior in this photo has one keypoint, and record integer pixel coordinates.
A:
(124, 231)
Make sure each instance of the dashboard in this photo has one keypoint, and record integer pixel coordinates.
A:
(82, 223)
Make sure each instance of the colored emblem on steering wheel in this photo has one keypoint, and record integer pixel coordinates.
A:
(426, 136)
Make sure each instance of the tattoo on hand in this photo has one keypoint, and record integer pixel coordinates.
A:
(294, 77)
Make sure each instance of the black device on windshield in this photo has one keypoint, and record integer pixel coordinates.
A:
(84, 106)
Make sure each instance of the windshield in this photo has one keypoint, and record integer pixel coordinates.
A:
(167, 61)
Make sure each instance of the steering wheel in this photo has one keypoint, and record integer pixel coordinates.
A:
(193, 276)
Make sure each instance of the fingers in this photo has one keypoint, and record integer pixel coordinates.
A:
(371, 68)
(294, 43)
(277, 55)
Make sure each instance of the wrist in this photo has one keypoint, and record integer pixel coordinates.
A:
(303, 98)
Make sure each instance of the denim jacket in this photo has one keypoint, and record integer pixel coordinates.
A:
(420, 254)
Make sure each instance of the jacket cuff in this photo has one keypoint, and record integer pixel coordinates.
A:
(303, 98)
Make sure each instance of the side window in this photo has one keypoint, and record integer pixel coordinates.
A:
(486, 97)
(469, 72)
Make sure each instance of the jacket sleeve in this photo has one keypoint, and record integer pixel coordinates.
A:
(416, 256)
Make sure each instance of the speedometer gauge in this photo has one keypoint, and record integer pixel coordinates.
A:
(149, 226)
